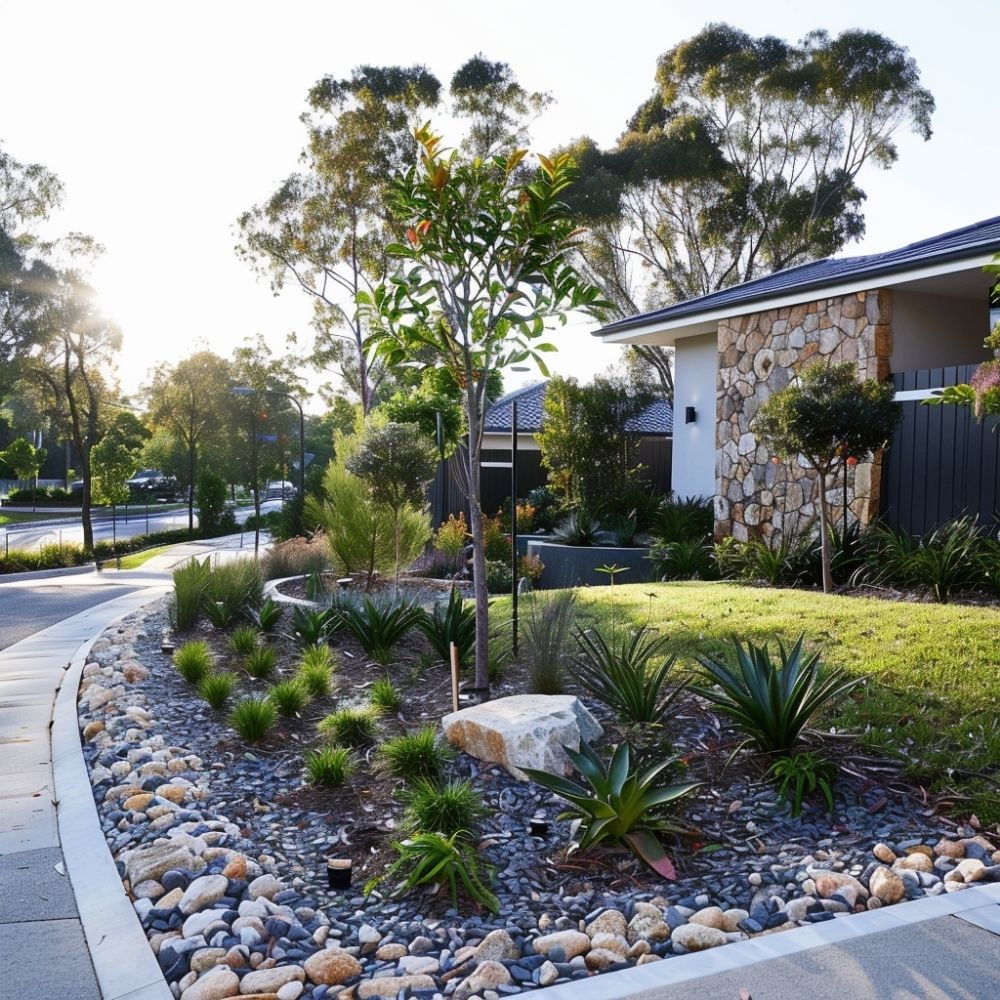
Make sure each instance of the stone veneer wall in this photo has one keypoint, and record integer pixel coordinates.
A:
(758, 354)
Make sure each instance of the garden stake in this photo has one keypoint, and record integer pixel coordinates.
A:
(454, 677)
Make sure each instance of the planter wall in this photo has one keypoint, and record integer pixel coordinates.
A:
(576, 565)
(522, 542)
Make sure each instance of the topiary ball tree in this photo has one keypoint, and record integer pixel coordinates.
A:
(829, 418)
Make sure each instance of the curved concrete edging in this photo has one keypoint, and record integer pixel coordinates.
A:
(271, 590)
(123, 961)
(647, 980)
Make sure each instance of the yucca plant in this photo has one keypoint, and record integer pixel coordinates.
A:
(545, 647)
(682, 519)
(580, 528)
(311, 625)
(253, 718)
(948, 559)
(802, 774)
(431, 859)
(772, 702)
(267, 616)
(289, 697)
(329, 767)
(350, 727)
(244, 639)
(454, 622)
(385, 697)
(450, 808)
(260, 662)
(422, 754)
(194, 661)
(315, 670)
(190, 581)
(620, 805)
(629, 673)
(216, 689)
(379, 623)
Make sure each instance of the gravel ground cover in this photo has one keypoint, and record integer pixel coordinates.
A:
(223, 846)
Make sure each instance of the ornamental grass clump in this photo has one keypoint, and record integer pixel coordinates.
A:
(385, 697)
(329, 767)
(253, 718)
(194, 661)
(416, 755)
(244, 639)
(216, 689)
(772, 702)
(452, 808)
(289, 697)
(350, 727)
(190, 581)
(260, 662)
(545, 646)
(233, 590)
(315, 670)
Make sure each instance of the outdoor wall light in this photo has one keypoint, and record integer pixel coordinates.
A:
(689, 415)
(338, 873)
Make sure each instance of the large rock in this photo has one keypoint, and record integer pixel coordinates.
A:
(271, 980)
(571, 943)
(152, 860)
(334, 965)
(219, 983)
(697, 937)
(525, 730)
(202, 893)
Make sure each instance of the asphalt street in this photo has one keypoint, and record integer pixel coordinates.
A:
(29, 536)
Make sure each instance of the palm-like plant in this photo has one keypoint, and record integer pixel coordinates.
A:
(628, 674)
(454, 622)
(379, 623)
(772, 702)
(619, 804)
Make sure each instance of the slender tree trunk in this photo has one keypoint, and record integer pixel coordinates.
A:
(478, 563)
(191, 467)
(395, 528)
(824, 533)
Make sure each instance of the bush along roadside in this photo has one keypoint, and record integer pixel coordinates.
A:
(230, 901)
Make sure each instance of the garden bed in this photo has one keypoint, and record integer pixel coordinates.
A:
(165, 765)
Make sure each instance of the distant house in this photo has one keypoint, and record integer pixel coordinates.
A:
(654, 427)
(918, 314)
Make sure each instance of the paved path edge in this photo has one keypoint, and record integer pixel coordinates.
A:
(123, 961)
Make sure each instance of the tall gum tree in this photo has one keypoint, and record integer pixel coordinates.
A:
(484, 263)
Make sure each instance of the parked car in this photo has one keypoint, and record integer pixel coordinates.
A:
(148, 483)
(279, 489)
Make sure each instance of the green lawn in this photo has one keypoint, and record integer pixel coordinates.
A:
(934, 696)
(136, 559)
(6, 518)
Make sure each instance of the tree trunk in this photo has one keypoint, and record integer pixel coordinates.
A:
(191, 468)
(395, 528)
(824, 534)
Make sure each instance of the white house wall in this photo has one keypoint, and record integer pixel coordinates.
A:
(696, 365)
(935, 331)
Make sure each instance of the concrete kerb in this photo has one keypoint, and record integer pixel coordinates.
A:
(700, 965)
(123, 961)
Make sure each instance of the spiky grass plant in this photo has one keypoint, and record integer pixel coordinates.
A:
(452, 808)
(350, 727)
(253, 718)
(416, 755)
(289, 697)
(316, 669)
(329, 767)
(260, 662)
(244, 640)
(194, 661)
(217, 689)
(385, 697)
(190, 581)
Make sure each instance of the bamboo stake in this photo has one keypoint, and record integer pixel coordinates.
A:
(454, 677)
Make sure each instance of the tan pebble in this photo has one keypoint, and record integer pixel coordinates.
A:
(91, 729)
(138, 802)
(884, 853)
(610, 942)
(971, 868)
(646, 959)
(390, 952)
(638, 949)
(172, 793)
(915, 863)
(601, 958)
(710, 916)
(236, 868)
(171, 899)
(920, 849)
(732, 919)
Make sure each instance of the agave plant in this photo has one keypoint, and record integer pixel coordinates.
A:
(312, 626)
(618, 806)
(580, 528)
(629, 674)
(772, 702)
(454, 622)
(379, 623)
(267, 616)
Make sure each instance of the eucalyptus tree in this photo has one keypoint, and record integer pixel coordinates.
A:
(745, 159)
(484, 262)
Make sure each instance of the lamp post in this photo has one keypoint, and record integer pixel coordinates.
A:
(244, 390)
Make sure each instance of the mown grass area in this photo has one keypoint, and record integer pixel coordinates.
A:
(933, 698)
(20, 517)
(136, 559)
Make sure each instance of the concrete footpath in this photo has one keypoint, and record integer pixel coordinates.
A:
(66, 925)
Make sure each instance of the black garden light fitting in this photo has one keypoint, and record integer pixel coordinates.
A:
(338, 873)
(690, 415)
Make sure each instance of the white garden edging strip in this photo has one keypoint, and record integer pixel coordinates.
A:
(123, 961)
(684, 968)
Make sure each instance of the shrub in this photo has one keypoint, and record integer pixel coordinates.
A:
(296, 557)
(545, 505)
(194, 661)
(530, 567)
(579, 528)
(545, 645)
(416, 755)
(253, 718)
(267, 616)
(525, 517)
(772, 702)
(329, 767)
(350, 727)
(454, 622)
(50, 556)
(620, 805)
(452, 537)
(378, 623)
(260, 662)
(693, 559)
(499, 578)
(210, 497)
(803, 774)
(316, 671)
(267, 521)
(311, 625)
(624, 528)
(453, 808)
(385, 697)
(216, 689)
(244, 640)
(289, 697)
(628, 674)
(430, 859)
(683, 519)
(190, 583)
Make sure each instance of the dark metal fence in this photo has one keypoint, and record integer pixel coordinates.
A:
(942, 463)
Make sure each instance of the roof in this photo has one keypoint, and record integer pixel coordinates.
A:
(970, 241)
(656, 420)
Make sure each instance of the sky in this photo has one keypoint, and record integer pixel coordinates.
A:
(165, 122)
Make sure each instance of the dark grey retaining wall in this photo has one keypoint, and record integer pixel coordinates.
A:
(576, 565)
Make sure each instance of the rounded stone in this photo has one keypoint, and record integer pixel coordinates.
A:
(219, 983)
(271, 980)
(697, 937)
(884, 853)
(572, 943)
(886, 885)
(497, 946)
(330, 966)
(710, 916)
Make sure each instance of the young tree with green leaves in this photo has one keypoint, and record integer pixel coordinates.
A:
(26, 460)
(396, 462)
(484, 263)
(830, 419)
(116, 456)
(746, 159)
